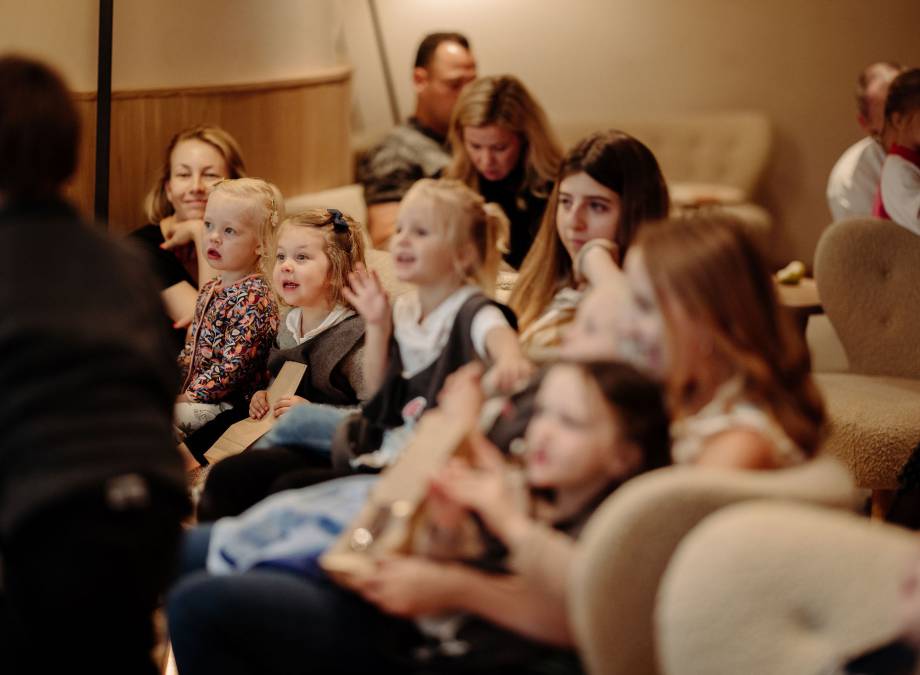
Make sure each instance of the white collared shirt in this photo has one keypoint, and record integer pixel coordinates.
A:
(422, 341)
(854, 180)
(338, 314)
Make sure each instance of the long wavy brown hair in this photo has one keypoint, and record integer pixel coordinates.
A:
(623, 164)
(714, 272)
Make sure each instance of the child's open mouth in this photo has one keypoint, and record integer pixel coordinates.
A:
(290, 285)
(213, 254)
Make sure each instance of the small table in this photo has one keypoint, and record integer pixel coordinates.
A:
(801, 299)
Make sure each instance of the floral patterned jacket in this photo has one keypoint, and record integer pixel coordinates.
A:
(227, 347)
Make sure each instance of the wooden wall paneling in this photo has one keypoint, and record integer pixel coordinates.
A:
(80, 188)
(294, 133)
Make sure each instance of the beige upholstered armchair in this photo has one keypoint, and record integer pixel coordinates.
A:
(768, 589)
(627, 544)
(868, 274)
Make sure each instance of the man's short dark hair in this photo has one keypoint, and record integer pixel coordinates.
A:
(431, 42)
(39, 129)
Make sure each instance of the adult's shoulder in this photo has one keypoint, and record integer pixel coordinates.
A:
(403, 156)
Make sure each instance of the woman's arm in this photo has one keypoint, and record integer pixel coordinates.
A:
(414, 586)
(180, 233)
(738, 449)
(597, 263)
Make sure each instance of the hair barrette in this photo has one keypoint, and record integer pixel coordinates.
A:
(339, 224)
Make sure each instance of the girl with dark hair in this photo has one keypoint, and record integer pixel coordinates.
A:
(598, 424)
(607, 186)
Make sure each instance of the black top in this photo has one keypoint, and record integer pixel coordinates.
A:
(523, 208)
(168, 268)
(88, 378)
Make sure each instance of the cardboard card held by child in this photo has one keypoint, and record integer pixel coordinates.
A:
(246, 432)
(396, 504)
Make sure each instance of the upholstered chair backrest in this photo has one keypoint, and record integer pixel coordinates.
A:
(868, 274)
(626, 546)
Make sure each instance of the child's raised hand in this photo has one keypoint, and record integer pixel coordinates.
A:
(288, 402)
(258, 404)
(366, 294)
(507, 374)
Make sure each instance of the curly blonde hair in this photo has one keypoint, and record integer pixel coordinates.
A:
(265, 205)
(344, 247)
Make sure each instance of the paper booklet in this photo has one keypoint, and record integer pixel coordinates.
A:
(246, 432)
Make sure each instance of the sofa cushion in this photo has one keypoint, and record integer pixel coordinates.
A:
(874, 424)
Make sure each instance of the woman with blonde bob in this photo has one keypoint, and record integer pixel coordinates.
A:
(503, 147)
(195, 160)
(705, 317)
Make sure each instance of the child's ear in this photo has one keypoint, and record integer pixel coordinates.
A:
(466, 257)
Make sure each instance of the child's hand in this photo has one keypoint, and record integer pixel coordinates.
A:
(366, 294)
(181, 233)
(488, 489)
(184, 322)
(508, 373)
(288, 402)
(258, 405)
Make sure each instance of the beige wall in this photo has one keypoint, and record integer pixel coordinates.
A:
(609, 59)
(176, 43)
(585, 59)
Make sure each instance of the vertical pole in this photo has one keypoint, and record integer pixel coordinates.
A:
(103, 112)
(385, 64)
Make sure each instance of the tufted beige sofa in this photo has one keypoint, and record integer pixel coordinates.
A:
(628, 542)
(780, 589)
(711, 161)
(869, 281)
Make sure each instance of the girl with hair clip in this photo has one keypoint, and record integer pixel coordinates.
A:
(598, 424)
(223, 361)
(898, 196)
(447, 244)
(195, 159)
(607, 186)
(705, 318)
(314, 254)
(503, 147)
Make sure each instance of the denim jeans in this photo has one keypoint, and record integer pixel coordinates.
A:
(310, 426)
